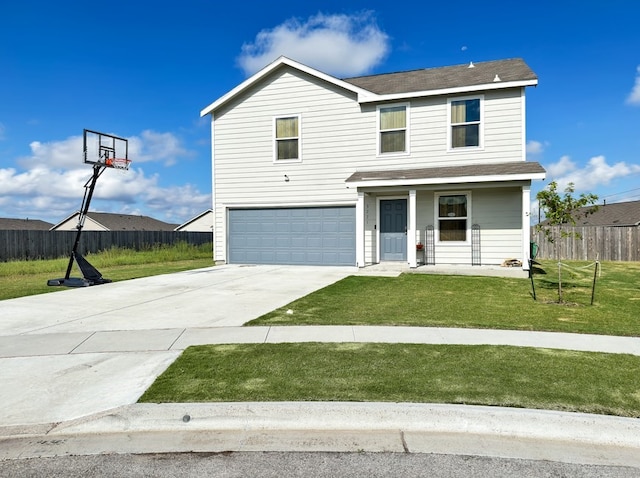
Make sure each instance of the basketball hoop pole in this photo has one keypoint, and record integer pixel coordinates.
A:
(89, 187)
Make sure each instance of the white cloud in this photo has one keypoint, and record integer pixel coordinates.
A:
(634, 96)
(534, 147)
(595, 173)
(50, 186)
(154, 146)
(563, 166)
(342, 45)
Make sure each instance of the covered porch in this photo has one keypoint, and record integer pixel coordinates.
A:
(461, 216)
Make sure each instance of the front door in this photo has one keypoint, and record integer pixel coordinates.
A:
(393, 230)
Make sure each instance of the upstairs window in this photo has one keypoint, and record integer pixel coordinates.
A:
(287, 138)
(466, 123)
(453, 217)
(392, 127)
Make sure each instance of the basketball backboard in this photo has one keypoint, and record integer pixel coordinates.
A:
(105, 149)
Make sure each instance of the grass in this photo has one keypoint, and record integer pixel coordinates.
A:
(482, 302)
(21, 278)
(479, 375)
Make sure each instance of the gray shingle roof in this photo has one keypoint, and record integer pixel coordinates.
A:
(127, 222)
(445, 77)
(493, 169)
(24, 225)
(615, 214)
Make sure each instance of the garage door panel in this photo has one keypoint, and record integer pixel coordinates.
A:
(318, 236)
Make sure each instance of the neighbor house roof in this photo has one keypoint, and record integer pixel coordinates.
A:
(124, 222)
(614, 214)
(470, 77)
(512, 171)
(24, 224)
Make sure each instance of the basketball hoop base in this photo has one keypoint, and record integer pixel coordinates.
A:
(70, 282)
(92, 276)
(75, 282)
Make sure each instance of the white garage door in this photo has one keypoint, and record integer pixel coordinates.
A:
(312, 236)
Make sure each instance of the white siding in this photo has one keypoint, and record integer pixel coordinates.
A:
(503, 131)
(370, 221)
(203, 223)
(499, 213)
(71, 224)
(338, 137)
(334, 135)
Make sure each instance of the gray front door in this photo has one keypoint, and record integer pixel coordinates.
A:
(393, 230)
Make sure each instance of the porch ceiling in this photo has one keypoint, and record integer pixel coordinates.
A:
(475, 173)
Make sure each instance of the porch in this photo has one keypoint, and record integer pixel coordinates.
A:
(394, 269)
(454, 218)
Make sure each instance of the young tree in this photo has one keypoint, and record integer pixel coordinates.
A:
(562, 210)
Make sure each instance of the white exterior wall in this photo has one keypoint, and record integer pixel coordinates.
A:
(72, 225)
(202, 224)
(497, 210)
(334, 134)
(339, 137)
(503, 131)
(370, 222)
(499, 214)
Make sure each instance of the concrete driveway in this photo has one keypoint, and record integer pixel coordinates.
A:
(77, 352)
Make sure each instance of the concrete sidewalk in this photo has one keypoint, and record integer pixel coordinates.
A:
(73, 364)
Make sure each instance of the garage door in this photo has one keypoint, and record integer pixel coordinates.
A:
(313, 236)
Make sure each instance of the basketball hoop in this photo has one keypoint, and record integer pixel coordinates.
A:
(106, 150)
(118, 163)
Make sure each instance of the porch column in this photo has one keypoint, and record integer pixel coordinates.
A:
(360, 230)
(526, 226)
(411, 230)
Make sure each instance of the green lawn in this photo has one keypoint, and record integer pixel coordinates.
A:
(21, 278)
(481, 375)
(483, 302)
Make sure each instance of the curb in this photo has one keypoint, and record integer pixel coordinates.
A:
(340, 427)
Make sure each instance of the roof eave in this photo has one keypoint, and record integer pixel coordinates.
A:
(446, 180)
(368, 97)
(282, 61)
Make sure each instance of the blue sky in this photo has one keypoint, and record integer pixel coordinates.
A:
(144, 70)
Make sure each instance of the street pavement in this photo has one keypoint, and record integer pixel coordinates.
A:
(73, 364)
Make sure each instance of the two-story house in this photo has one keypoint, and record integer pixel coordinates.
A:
(418, 166)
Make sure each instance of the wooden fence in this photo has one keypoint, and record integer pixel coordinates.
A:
(604, 243)
(33, 245)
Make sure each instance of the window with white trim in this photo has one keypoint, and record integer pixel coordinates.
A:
(453, 213)
(393, 129)
(465, 123)
(287, 138)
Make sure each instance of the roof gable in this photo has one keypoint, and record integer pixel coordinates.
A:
(196, 218)
(466, 78)
(268, 70)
